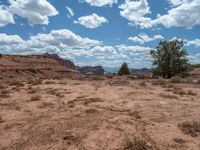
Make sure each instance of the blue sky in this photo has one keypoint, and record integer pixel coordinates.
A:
(99, 32)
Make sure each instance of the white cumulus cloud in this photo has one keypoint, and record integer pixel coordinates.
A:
(91, 21)
(100, 3)
(186, 14)
(36, 11)
(195, 42)
(135, 12)
(6, 17)
(53, 42)
(143, 38)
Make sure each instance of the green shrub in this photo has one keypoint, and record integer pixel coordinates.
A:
(124, 70)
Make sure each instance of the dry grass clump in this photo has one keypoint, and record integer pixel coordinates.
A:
(180, 91)
(35, 82)
(198, 81)
(2, 87)
(32, 70)
(190, 92)
(49, 82)
(95, 78)
(4, 93)
(191, 128)
(159, 81)
(136, 144)
(59, 95)
(163, 95)
(91, 111)
(143, 84)
(178, 79)
(35, 97)
(1, 119)
(44, 105)
(32, 90)
(119, 82)
(16, 83)
(179, 140)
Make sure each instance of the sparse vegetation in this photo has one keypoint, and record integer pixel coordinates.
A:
(4, 93)
(34, 81)
(32, 90)
(159, 81)
(35, 97)
(163, 95)
(190, 92)
(179, 140)
(179, 91)
(32, 70)
(143, 84)
(16, 83)
(44, 105)
(1, 119)
(176, 79)
(49, 82)
(191, 128)
(136, 144)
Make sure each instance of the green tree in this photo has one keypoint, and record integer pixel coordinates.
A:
(124, 70)
(170, 59)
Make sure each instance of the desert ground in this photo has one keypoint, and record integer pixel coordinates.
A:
(115, 113)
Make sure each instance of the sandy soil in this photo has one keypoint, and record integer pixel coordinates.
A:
(96, 115)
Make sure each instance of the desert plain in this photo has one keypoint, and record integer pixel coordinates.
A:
(99, 113)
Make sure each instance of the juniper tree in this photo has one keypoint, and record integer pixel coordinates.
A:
(124, 70)
(170, 59)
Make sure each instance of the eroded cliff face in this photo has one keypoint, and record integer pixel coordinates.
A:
(34, 66)
(67, 63)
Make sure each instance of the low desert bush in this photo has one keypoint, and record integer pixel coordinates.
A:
(32, 70)
(35, 82)
(44, 105)
(4, 93)
(198, 81)
(35, 97)
(32, 90)
(16, 83)
(163, 95)
(1, 119)
(179, 91)
(190, 92)
(2, 86)
(159, 81)
(136, 144)
(179, 140)
(49, 82)
(191, 128)
(143, 84)
(176, 79)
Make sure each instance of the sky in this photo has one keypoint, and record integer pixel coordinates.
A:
(99, 32)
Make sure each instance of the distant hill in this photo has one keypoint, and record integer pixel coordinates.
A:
(42, 66)
(111, 69)
(140, 71)
(133, 71)
(91, 70)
